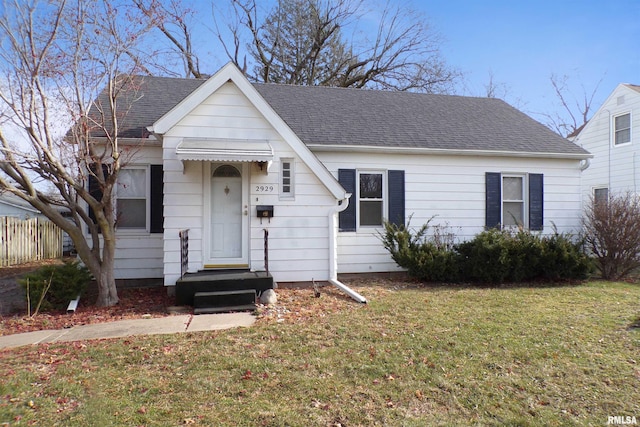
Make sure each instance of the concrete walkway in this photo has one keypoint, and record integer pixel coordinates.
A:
(124, 328)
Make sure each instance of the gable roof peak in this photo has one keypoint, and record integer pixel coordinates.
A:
(632, 86)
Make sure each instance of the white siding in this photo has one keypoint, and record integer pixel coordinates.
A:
(452, 188)
(614, 167)
(139, 254)
(299, 230)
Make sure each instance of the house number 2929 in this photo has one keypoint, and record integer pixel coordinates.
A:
(264, 188)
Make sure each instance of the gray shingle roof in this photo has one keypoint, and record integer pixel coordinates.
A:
(326, 116)
(337, 116)
(147, 99)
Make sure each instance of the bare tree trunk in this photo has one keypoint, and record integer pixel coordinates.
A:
(107, 292)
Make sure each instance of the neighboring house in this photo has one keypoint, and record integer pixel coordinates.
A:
(612, 135)
(14, 206)
(320, 169)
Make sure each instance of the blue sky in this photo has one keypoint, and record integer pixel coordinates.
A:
(523, 42)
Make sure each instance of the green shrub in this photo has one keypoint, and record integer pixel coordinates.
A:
(563, 257)
(498, 256)
(428, 258)
(493, 256)
(67, 282)
(485, 258)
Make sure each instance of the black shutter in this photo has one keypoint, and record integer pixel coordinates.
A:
(94, 188)
(156, 202)
(536, 204)
(493, 199)
(396, 197)
(347, 218)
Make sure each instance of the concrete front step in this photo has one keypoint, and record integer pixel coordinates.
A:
(220, 281)
(216, 302)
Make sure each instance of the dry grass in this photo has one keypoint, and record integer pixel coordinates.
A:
(412, 356)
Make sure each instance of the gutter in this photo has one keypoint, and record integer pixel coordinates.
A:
(333, 258)
(444, 151)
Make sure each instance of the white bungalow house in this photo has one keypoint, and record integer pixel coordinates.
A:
(320, 169)
(612, 135)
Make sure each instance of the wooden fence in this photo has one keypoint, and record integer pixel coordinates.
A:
(28, 240)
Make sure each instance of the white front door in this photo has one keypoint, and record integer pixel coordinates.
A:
(228, 217)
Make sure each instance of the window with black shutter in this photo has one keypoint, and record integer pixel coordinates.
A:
(138, 198)
(514, 200)
(375, 196)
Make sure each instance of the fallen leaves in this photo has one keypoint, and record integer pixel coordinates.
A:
(134, 304)
(300, 305)
(295, 305)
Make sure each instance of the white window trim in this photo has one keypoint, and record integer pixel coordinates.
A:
(525, 196)
(147, 197)
(613, 129)
(292, 194)
(385, 197)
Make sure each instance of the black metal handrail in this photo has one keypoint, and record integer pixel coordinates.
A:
(266, 250)
(184, 251)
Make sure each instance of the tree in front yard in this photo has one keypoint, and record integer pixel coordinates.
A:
(612, 231)
(55, 58)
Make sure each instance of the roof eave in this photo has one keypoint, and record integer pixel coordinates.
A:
(147, 142)
(446, 152)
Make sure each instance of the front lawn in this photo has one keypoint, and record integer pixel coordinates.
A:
(413, 356)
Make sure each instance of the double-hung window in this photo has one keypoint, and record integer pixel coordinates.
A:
(138, 198)
(514, 200)
(376, 196)
(622, 129)
(370, 200)
(132, 196)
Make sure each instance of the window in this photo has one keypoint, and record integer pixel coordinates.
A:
(375, 196)
(370, 201)
(139, 198)
(600, 196)
(286, 179)
(131, 193)
(622, 129)
(514, 200)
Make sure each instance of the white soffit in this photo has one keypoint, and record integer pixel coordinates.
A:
(224, 150)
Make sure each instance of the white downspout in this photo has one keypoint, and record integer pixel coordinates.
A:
(333, 253)
(584, 165)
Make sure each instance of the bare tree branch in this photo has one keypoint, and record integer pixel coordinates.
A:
(574, 111)
(303, 42)
(166, 15)
(55, 59)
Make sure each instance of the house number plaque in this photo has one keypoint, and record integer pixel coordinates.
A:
(264, 188)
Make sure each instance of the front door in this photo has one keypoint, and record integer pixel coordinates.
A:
(228, 217)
